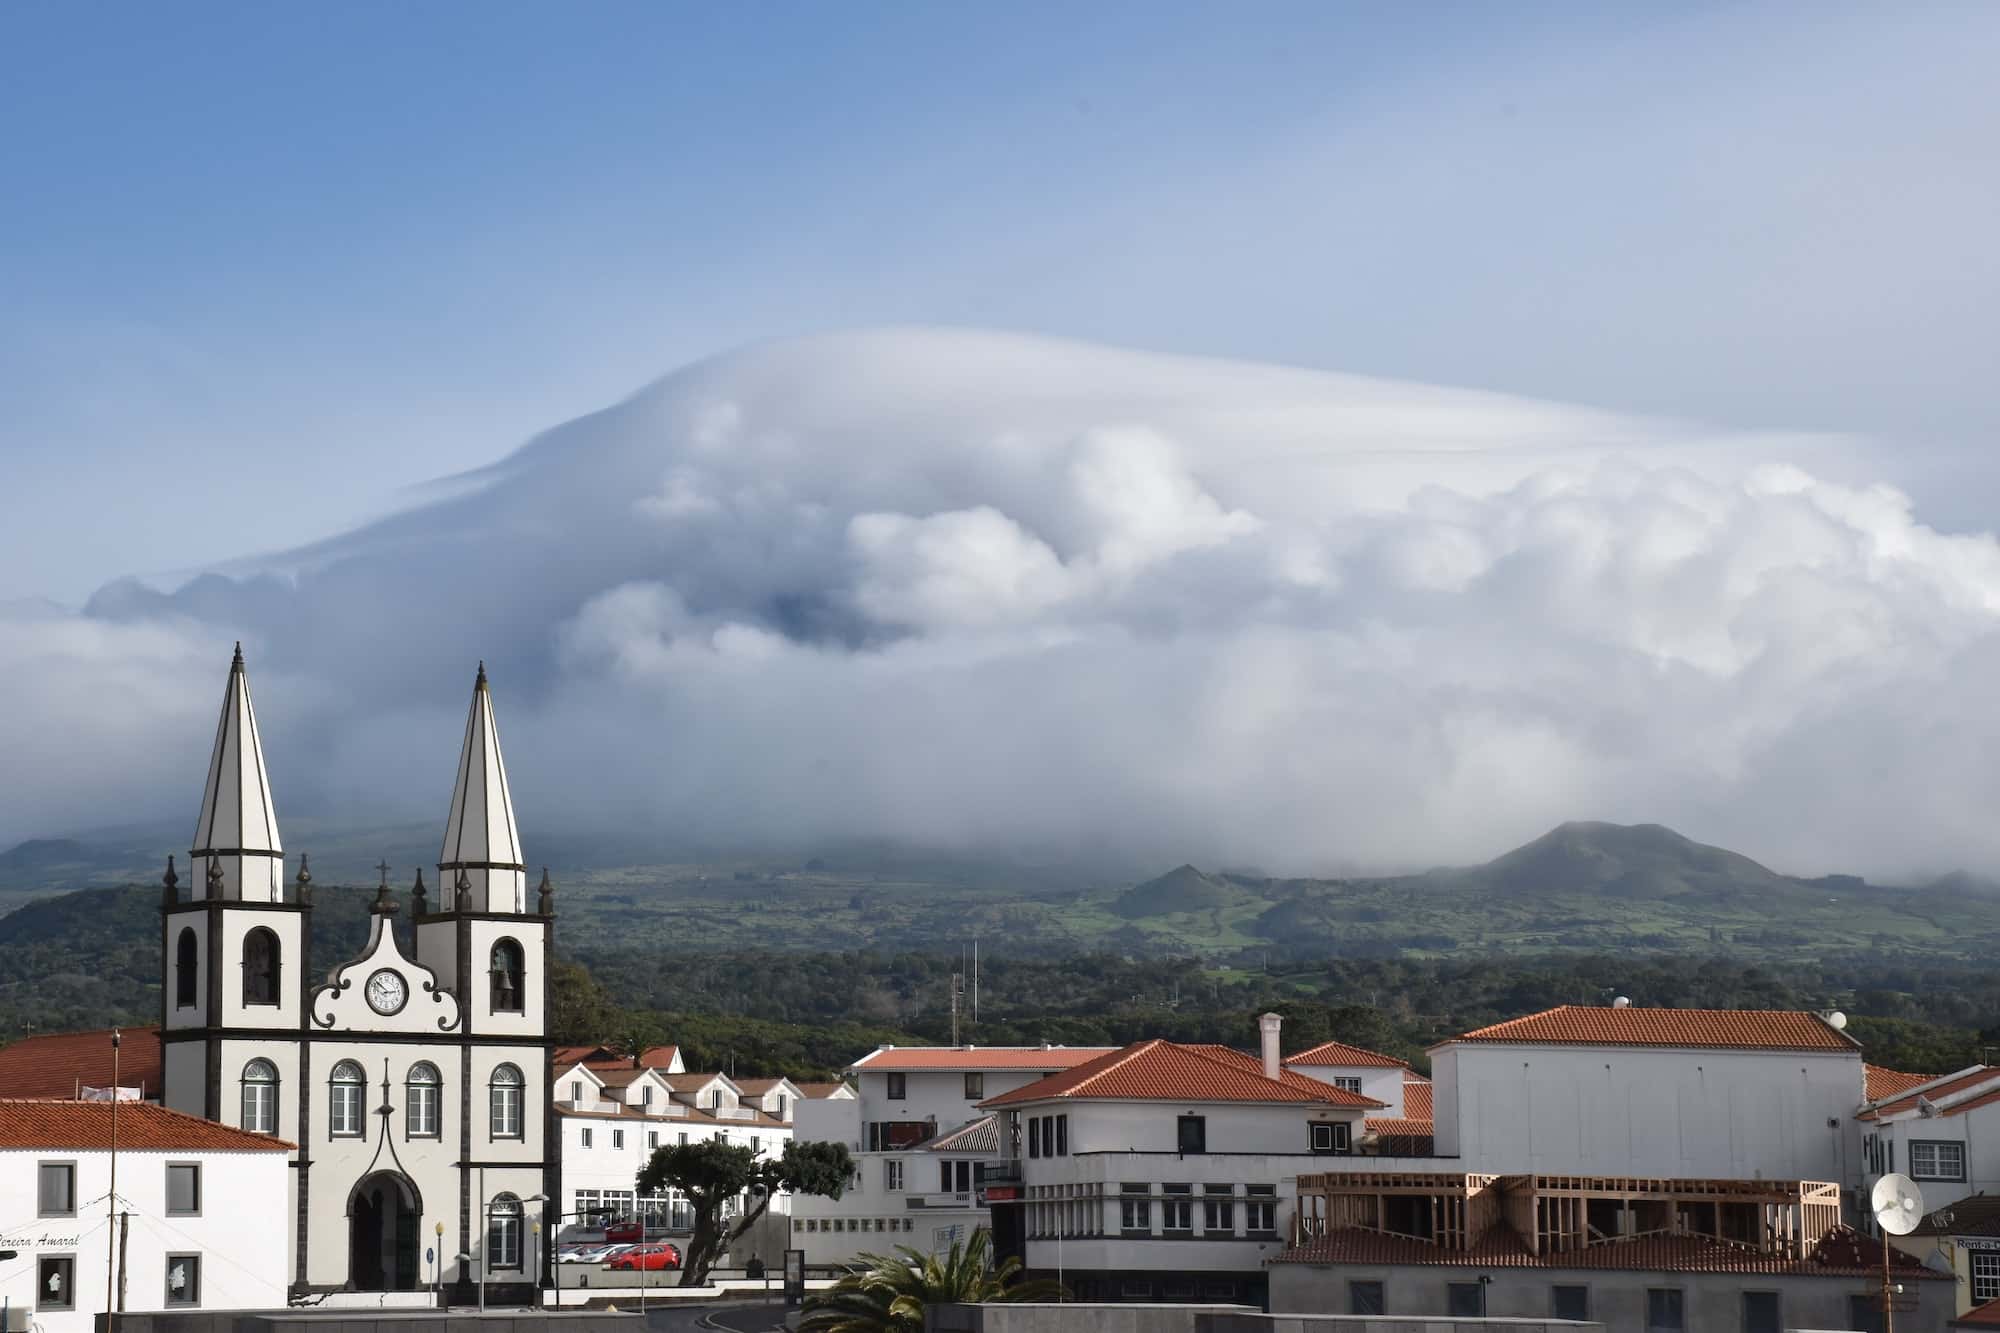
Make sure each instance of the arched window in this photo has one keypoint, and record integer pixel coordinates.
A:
(260, 967)
(508, 994)
(187, 968)
(504, 1096)
(343, 1102)
(503, 1232)
(260, 1097)
(420, 1120)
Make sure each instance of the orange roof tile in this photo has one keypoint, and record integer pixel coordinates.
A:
(57, 1064)
(1729, 1029)
(1417, 1101)
(895, 1059)
(1938, 1087)
(694, 1082)
(820, 1091)
(142, 1127)
(1160, 1070)
(1880, 1082)
(1341, 1054)
(1840, 1253)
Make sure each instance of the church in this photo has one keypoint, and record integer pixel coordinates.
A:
(413, 1079)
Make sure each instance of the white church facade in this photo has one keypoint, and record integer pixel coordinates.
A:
(414, 1078)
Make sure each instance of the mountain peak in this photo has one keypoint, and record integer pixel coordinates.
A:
(1628, 860)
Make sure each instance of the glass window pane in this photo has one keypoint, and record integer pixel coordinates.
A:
(57, 1189)
(183, 1188)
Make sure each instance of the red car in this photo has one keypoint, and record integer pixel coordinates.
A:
(626, 1230)
(648, 1257)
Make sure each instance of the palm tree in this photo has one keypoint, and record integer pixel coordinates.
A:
(888, 1293)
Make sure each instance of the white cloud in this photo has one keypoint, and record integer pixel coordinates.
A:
(1057, 594)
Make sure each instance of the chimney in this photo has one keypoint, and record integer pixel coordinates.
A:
(1268, 1026)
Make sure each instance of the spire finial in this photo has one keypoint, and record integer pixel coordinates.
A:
(480, 683)
(214, 877)
(383, 905)
(545, 897)
(170, 884)
(236, 663)
(304, 880)
(418, 906)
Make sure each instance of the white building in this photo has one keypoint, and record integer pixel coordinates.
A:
(921, 1145)
(1682, 1093)
(1166, 1171)
(612, 1113)
(1943, 1133)
(1403, 1127)
(414, 1078)
(200, 1212)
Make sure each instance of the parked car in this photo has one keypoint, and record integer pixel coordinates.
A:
(648, 1257)
(627, 1229)
(596, 1254)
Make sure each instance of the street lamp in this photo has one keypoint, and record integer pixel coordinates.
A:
(536, 1253)
(437, 1262)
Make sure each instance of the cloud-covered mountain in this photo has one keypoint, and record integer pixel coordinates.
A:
(967, 588)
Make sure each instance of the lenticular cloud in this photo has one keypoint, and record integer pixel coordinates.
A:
(964, 588)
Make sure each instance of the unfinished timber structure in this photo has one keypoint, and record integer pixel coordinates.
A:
(1552, 1215)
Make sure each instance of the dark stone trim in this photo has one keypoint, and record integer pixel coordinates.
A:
(481, 865)
(236, 851)
(464, 1159)
(211, 1016)
(447, 915)
(524, 1041)
(238, 904)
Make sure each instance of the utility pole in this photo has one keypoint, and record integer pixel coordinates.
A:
(111, 1201)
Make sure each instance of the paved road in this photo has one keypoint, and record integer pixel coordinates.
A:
(732, 1316)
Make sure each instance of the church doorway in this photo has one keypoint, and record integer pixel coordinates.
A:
(384, 1215)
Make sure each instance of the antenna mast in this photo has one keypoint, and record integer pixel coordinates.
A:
(957, 996)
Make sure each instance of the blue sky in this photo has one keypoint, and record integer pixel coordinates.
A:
(265, 266)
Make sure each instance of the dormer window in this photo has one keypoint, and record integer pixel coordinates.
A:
(509, 994)
(715, 1099)
(645, 1096)
(576, 1090)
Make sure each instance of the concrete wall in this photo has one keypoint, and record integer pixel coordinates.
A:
(1713, 1301)
(1732, 1115)
(381, 1321)
(1385, 1085)
(1978, 1130)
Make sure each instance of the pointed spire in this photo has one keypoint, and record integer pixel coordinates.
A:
(545, 897)
(237, 830)
(170, 884)
(480, 841)
(304, 881)
(418, 906)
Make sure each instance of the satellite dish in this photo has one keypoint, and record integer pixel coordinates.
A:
(1622, 1002)
(1898, 1203)
(1837, 1021)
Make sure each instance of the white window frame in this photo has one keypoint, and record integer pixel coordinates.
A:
(892, 1174)
(1985, 1276)
(505, 1103)
(344, 1096)
(1346, 1083)
(1938, 1149)
(259, 1108)
(422, 1101)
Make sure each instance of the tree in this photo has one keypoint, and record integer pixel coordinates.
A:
(711, 1173)
(889, 1293)
(581, 1011)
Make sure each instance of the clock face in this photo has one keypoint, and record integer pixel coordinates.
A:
(386, 992)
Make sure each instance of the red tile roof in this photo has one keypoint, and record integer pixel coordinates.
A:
(1726, 1029)
(1047, 1059)
(572, 1055)
(1341, 1054)
(694, 1082)
(821, 1091)
(1936, 1089)
(1840, 1253)
(1982, 1316)
(1880, 1082)
(1166, 1071)
(1974, 1215)
(1417, 1099)
(58, 1064)
(142, 1127)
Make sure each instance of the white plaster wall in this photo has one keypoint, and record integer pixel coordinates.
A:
(1779, 1115)
(1978, 1130)
(190, 1015)
(1384, 1085)
(239, 1233)
(236, 927)
(936, 1094)
(1101, 1126)
(829, 1120)
(184, 1076)
(531, 933)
